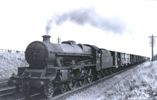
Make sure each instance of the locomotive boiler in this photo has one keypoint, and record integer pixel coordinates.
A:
(43, 54)
(60, 66)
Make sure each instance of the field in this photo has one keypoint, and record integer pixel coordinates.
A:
(9, 62)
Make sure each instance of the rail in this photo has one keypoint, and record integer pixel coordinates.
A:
(3, 83)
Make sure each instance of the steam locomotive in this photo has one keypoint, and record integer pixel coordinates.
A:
(67, 66)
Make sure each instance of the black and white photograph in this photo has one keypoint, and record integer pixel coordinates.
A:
(78, 50)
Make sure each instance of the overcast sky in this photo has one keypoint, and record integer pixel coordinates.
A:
(120, 25)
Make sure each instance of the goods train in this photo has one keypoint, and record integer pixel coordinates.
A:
(67, 65)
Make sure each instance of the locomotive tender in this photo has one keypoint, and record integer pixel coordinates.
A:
(67, 65)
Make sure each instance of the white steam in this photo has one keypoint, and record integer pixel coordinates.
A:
(87, 16)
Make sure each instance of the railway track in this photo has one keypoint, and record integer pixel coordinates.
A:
(3, 83)
(5, 89)
(37, 96)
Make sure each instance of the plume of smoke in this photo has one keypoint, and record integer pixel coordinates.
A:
(48, 26)
(89, 16)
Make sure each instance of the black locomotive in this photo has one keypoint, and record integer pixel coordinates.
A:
(67, 65)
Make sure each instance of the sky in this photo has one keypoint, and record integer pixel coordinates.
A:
(120, 25)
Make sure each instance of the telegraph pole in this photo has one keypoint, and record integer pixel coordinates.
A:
(59, 40)
(152, 45)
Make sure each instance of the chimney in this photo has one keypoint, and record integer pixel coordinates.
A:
(46, 38)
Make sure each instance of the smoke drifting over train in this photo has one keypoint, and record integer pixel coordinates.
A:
(88, 16)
